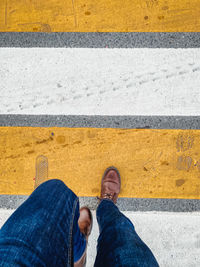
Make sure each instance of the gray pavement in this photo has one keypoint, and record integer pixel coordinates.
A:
(124, 204)
(100, 40)
(126, 122)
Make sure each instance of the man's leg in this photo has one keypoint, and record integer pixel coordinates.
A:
(118, 243)
(44, 230)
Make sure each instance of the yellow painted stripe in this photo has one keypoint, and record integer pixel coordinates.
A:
(100, 16)
(152, 163)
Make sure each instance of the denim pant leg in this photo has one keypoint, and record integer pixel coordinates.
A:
(43, 231)
(118, 243)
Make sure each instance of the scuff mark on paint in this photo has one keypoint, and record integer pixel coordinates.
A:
(151, 3)
(184, 142)
(75, 20)
(6, 12)
(184, 163)
(45, 28)
(180, 182)
(42, 26)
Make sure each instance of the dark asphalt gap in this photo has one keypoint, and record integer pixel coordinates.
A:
(124, 204)
(78, 121)
(100, 40)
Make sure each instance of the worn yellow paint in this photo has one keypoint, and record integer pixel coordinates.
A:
(100, 16)
(152, 163)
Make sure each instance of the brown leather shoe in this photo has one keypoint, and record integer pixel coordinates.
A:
(85, 223)
(110, 184)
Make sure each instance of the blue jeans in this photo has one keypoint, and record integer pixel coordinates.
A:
(44, 231)
(118, 243)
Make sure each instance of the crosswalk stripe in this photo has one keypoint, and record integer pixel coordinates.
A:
(70, 81)
(153, 163)
(99, 16)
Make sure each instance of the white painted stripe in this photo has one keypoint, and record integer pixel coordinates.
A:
(100, 81)
(174, 238)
